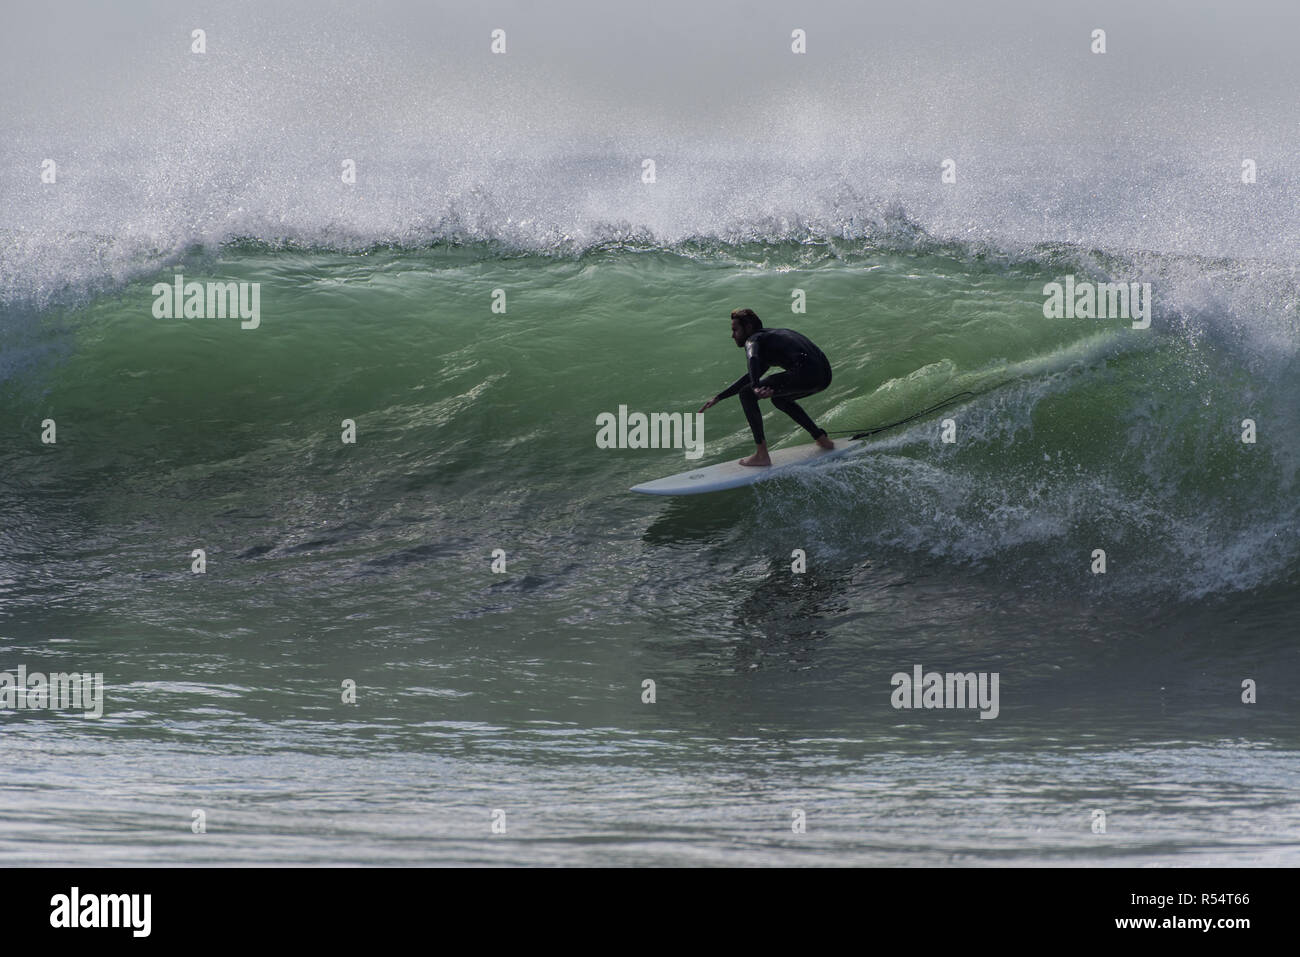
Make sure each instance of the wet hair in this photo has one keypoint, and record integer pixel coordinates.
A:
(749, 320)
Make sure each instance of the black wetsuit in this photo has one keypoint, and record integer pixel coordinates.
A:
(807, 371)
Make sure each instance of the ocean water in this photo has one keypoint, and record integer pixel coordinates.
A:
(474, 564)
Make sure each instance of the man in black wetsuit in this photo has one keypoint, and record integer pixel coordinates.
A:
(806, 371)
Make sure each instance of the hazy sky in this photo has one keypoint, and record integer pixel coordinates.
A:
(720, 66)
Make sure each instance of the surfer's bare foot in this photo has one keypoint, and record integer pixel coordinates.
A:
(758, 458)
(825, 442)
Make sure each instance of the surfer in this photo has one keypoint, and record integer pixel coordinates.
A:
(807, 371)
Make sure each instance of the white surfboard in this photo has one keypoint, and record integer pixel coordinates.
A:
(731, 474)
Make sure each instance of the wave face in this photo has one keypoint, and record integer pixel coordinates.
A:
(1080, 433)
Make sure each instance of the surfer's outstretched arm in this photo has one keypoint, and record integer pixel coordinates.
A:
(732, 389)
(751, 378)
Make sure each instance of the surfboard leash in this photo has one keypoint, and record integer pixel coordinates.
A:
(863, 433)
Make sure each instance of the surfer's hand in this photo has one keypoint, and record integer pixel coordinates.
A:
(710, 404)
(764, 392)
